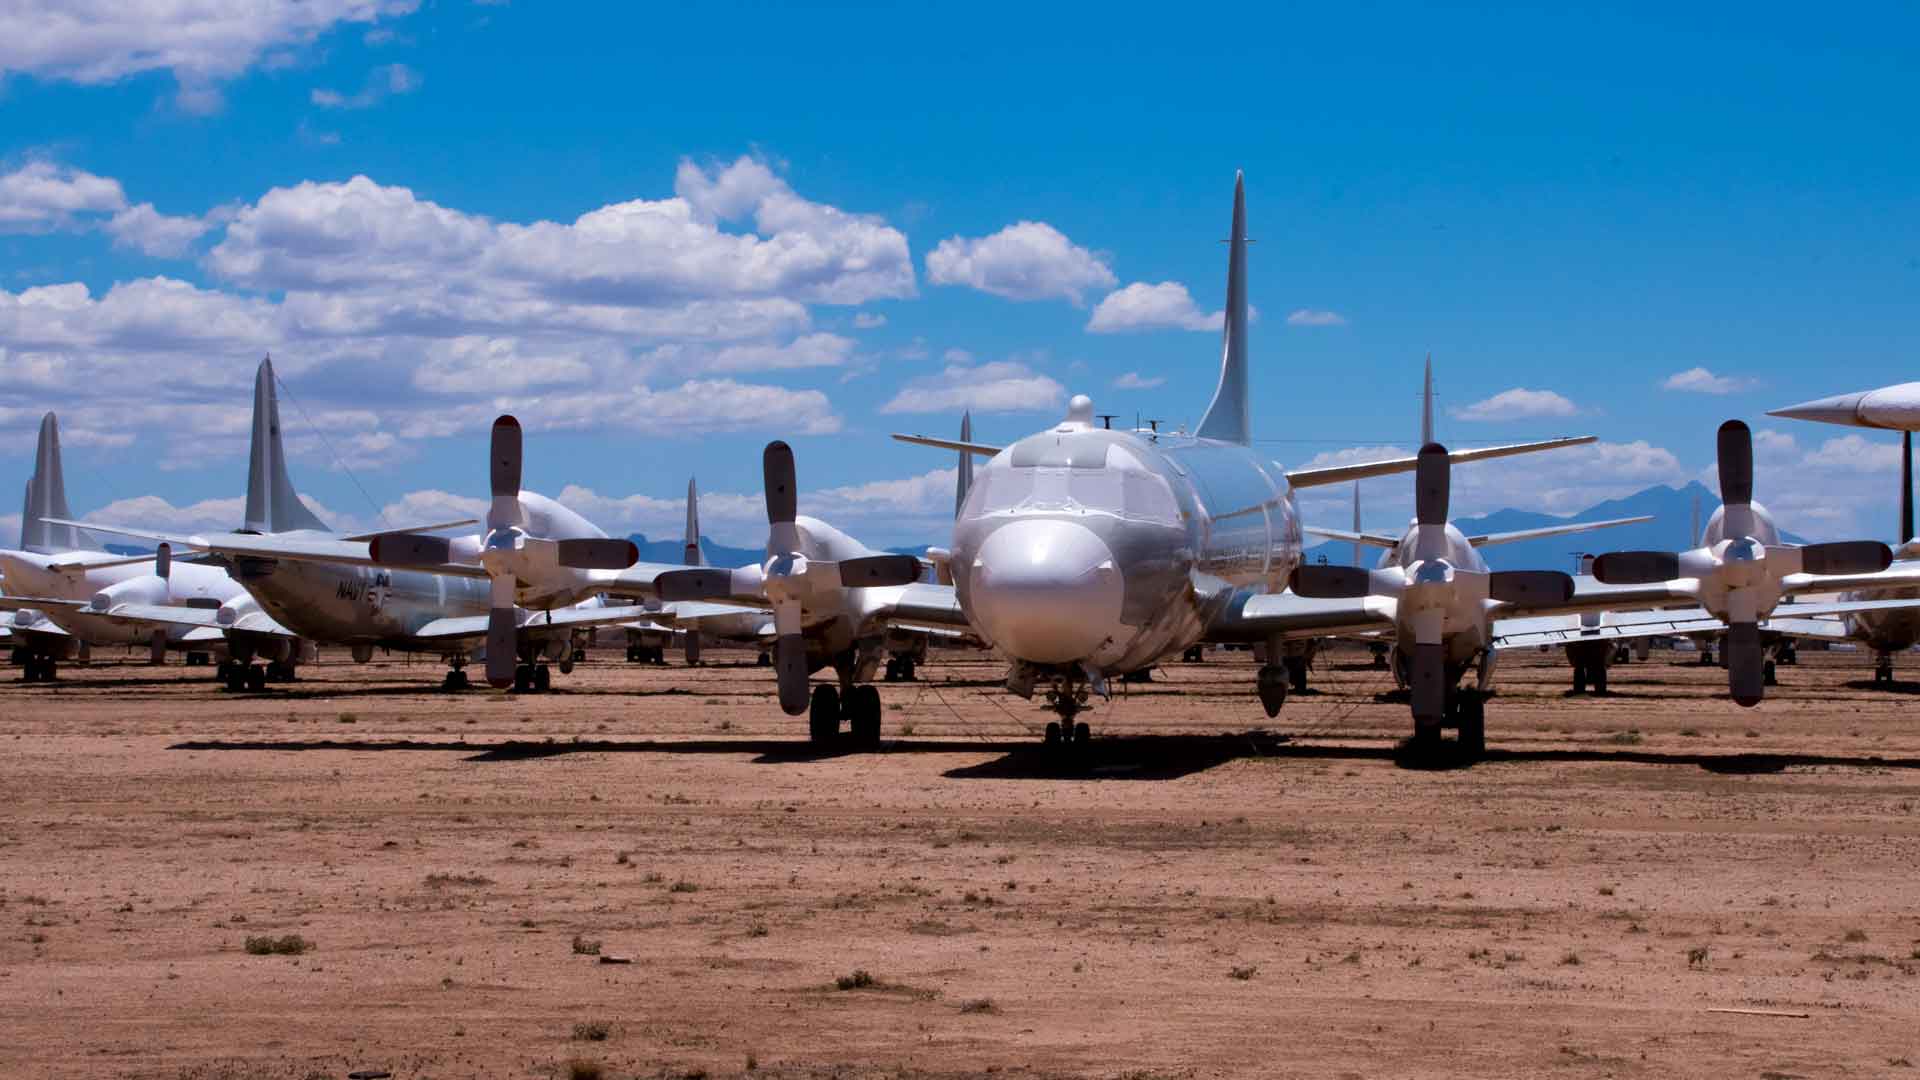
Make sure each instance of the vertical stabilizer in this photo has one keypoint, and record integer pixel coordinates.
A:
(26, 514)
(47, 498)
(963, 479)
(1356, 523)
(272, 504)
(1426, 404)
(1226, 418)
(691, 551)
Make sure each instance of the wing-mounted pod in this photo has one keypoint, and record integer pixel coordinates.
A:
(1739, 579)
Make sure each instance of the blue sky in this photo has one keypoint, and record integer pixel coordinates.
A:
(807, 222)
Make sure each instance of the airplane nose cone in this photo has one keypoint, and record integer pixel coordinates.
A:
(1046, 591)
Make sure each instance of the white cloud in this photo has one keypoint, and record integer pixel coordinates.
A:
(1699, 380)
(1518, 403)
(919, 505)
(153, 233)
(807, 351)
(1312, 317)
(1133, 380)
(867, 320)
(1000, 386)
(1855, 453)
(1029, 260)
(94, 42)
(41, 195)
(1560, 481)
(384, 81)
(1141, 306)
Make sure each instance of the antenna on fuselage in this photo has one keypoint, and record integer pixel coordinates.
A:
(1226, 416)
(1107, 419)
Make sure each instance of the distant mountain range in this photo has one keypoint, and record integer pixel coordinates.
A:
(1670, 530)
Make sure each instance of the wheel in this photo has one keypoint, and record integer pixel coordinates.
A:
(863, 714)
(196, 659)
(1052, 738)
(579, 655)
(256, 678)
(1297, 672)
(1426, 738)
(522, 679)
(1082, 733)
(566, 664)
(893, 670)
(823, 715)
(236, 679)
(1770, 679)
(1579, 678)
(633, 655)
(1195, 655)
(907, 672)
(1599, 674)
(1473, 726)
(542, 679)
(766, 660)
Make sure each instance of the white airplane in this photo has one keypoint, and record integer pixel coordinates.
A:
(518, 594)
(62, 587)
(1894, 408)
(1738, 576)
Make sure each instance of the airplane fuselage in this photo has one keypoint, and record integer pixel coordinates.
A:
(31, 574)
(358, 605)
(1103, 550)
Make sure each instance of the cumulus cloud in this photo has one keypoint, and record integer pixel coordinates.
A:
(1141, 306)
(153, 233)
(1562, 481)
(383, 82)
(1698, 380)
(1133, 380)
(1312, 317)
(1518, 403)
(93, 42)
(1029, 260)
(920, 506)
(41, 196)
(1000, 386)
(867, 320)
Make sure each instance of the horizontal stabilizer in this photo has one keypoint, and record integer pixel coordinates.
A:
(1379, 540)
(1521, 535)
(981, 449)
(1340, 474)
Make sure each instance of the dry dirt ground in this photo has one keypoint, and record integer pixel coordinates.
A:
(1202, 898)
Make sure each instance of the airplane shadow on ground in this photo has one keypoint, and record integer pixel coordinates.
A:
(1148, 757)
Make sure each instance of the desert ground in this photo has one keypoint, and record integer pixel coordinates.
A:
(1208, 894)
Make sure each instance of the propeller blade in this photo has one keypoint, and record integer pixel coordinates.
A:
(1636, 567)
(1736, 463)
(594, 553)
(505, 476)
(790, 666)
(782, 500)
(1431, 482)
(503, 652)
(875, 571)
(706, 583)
(407, 549)
(1746, 664)
(163, 561)
(1426, 679)
(1330, 582)
(1846, 557)
(1530, 587)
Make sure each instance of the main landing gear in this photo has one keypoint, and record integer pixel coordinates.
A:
(37, 668)
(532, 677)
(646, 654)
(1883, 670)
(456, 679)
(1467, 714)
(901, 669)
(242, 677)
(860, 707)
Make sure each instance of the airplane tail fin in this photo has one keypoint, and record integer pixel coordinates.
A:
(963, 481)
(1226, 418)
(47, 498)
(693, 557)
(272, 504)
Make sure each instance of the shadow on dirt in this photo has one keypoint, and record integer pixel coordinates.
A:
(1150, 757)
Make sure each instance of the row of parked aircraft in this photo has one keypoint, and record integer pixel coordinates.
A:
(1080, 554)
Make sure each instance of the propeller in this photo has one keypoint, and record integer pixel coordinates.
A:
(511, 558)
(789, 580)
(1431, 595)
(1739, 577)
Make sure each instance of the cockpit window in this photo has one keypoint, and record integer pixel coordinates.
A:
(1060, 451)
(1124, 487)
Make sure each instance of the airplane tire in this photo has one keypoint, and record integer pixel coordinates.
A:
(1052, 737)
(907, 672)
(1599, 680)
(256, 678)
(766, 660)
(566, 664)
(522, 679)
(1082, 734)
(542, 679)
(823, 715)
(1579, 678)
(1771, 680)
(1297, 673)
(1473, 726)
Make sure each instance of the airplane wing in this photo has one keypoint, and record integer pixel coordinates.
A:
(475, 626)
(1340, 474)
(1259, 616)
(1809, 620)
(1518, 535)
(1906, 573)
(38, 603)
(920, 603)
(1379, 540)
(269, 546)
